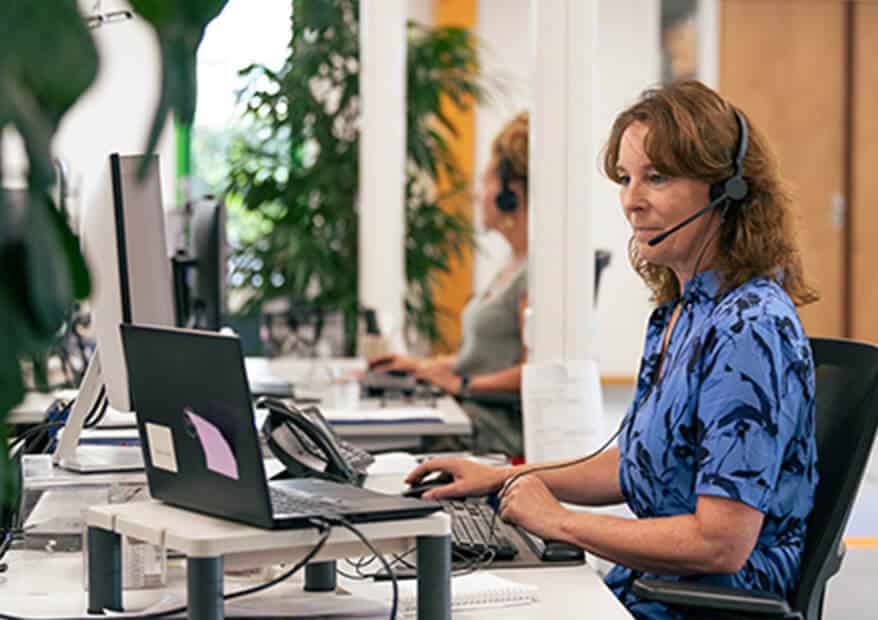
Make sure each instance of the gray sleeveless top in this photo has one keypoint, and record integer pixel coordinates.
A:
(491, 340)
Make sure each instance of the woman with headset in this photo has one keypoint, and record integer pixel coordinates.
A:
(491, 352)
(716, 455)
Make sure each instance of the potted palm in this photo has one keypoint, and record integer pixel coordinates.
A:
(294, 170)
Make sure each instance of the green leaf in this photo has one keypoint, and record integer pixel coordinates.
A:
(180, 28)
(318, 146)
(48, 274)
(47, 60)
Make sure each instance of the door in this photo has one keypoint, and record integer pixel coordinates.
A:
(783, 63)
(864, 180)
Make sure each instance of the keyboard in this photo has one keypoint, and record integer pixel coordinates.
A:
(472, 535)
(375, 383)
(471, 521)
(287, 501)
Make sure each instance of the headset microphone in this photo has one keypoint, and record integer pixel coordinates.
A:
(733, 190)
(662, 236)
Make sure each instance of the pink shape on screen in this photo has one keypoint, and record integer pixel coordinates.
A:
(217, 451)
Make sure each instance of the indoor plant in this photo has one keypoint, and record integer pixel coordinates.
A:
(295, 168)
(47, 60)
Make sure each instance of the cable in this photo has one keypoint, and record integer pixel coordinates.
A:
(98, 409)
(613, 437)
(336, 520)
(578, 461)
(324, 526)
(39, 428)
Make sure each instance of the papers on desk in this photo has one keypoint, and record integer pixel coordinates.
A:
(384, 415)
(477, 590)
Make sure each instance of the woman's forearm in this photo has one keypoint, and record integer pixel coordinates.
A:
(664, 545)
(506, 380)
(441, 361)
(592, 483)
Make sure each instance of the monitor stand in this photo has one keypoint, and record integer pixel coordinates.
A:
(97, 458)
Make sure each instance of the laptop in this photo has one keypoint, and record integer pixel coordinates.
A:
(200, 444)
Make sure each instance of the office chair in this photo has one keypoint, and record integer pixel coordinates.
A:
(846, 419)
(601, 262)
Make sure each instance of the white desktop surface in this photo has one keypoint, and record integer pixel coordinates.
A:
(574, 592)
(49, 585)
(203, 536)
(311, 376)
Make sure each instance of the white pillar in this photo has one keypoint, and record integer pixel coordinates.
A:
(561, 385)
(382, 160)
(561, 253)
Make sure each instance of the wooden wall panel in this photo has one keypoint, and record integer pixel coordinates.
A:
(864, 164)
(454, 289)
(782, 63)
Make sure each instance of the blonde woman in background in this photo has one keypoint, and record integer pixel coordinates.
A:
(491, 352)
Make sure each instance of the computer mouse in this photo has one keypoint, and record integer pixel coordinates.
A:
(560, 551)
(430, 481)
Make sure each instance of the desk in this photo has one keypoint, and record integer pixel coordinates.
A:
(312, 377)
(387, 435)
(210, 544)
(50, 585)
(32, 409)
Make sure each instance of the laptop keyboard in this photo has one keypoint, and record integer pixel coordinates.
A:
(288, 501)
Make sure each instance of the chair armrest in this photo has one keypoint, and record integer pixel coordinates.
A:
(709, 597)
(501, 399)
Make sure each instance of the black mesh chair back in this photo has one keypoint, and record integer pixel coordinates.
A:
(601, 262)
(846, 418)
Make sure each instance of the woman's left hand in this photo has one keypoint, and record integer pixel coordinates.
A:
(441, 376)
(528, 503)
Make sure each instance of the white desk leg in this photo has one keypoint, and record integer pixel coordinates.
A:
(434, 577)
(104, 571)
(204, 588)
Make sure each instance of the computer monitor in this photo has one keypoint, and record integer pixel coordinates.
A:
(208, 248)
(200, 273)
(123, 238)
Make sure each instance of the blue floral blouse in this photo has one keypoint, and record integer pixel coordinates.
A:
(732, 415)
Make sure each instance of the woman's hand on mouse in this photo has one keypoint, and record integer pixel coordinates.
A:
(528, 503)
(470, 478)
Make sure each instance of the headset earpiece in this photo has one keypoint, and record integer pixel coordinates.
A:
(506, 199)
(735, 188)
(723, 194)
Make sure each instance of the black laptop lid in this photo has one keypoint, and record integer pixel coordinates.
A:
(195, 420)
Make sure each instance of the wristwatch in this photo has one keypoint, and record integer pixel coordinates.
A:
(464, 384)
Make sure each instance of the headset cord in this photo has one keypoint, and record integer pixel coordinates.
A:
(613, 437)
(578, 461)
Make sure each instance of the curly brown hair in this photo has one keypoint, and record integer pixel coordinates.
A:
(693, 134)
(512, 144)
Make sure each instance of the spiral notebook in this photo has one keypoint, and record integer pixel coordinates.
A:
(478, 590)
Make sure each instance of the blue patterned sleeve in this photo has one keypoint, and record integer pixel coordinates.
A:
(740, 405)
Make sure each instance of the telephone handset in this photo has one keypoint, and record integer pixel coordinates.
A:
(307, 445)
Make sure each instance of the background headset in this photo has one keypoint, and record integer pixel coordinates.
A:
(506, 199)
(730, 191)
